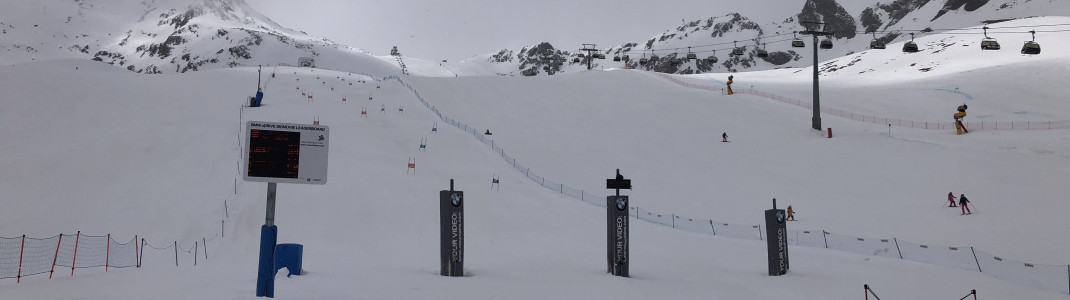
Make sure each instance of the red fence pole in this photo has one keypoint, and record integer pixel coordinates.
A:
(107, 253)
(54, 258)
(77, 236)
(18, 278)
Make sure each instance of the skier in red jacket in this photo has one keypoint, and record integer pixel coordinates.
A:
(951, 198)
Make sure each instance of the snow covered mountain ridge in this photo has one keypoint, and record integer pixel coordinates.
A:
(151, 36)
(853, 25)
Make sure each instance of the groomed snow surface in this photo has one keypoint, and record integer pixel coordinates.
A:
(102, 150)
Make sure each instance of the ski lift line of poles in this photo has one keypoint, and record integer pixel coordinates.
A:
(932, 32)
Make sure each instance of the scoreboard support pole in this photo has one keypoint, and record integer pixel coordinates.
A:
(269, 233)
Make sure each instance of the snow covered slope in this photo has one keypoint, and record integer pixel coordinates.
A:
(102, 150)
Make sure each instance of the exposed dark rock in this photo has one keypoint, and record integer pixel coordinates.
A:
(835, 17)
(968, 5)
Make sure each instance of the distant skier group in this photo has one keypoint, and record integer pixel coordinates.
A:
(963, 202)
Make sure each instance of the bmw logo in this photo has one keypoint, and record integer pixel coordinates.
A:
(621, 204)
(456, 200)
(780, 216)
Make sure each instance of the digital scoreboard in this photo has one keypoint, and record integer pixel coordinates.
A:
(286, 153)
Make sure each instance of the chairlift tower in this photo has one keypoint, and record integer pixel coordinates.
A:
(817, 92)
(590, 48)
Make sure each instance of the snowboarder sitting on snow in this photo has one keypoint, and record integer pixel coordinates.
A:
(488, 132)
(951, 198)
(963, 202)
(791, 214)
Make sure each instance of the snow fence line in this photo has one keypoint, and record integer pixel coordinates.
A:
(27, 256)
(972, 126)
(1053, 278)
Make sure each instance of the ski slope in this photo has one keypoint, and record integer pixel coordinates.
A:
(102, 150)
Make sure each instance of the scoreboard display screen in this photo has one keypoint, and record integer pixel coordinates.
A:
(286, 153)
(275, 154)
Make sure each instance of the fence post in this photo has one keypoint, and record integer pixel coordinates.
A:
(825, 235)
(176, 253)
(897, 248)
(222, 228)
(760, 237)
(107, 253)
(673, 220)
(137, 259)
(975, 259)
(77, 236)
(714, 229)
(141, 256)
(54, 258)
(18, 278)
(205, 243)
(195, 248)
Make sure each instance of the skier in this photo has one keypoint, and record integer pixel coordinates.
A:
(791, 214)
(724, 137)
(729, 84)
(959, 127)
(963, 202)
(951, 198)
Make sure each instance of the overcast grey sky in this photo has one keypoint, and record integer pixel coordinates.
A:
(459, 29)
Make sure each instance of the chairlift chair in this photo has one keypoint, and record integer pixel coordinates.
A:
(876, 44)
(599, 56)
(988, 43)
(1031, 47)
(616, 58)
(581, 55)
(910, 46)
(626, 58)
(654, 58)
(736, 51)
(762, 52)
(691, 55)
(826, 43)
(642, 61)
(797, 42)
(576, 60)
